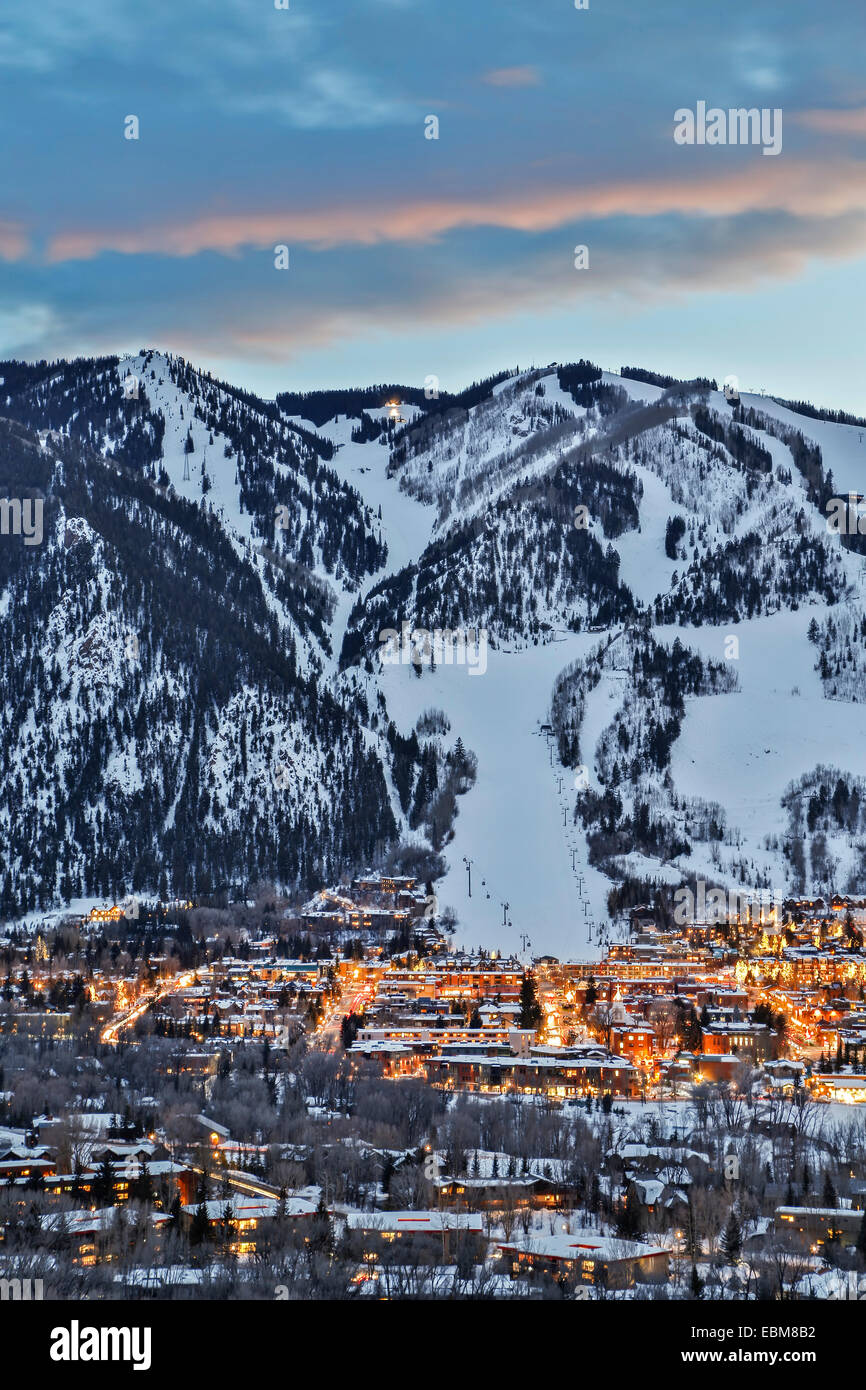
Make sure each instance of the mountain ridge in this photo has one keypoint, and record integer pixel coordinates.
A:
(249, 557)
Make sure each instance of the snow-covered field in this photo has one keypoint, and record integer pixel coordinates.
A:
(644, 567)
(406, 524)
(744, 749)
(511, 823)
(843, 446)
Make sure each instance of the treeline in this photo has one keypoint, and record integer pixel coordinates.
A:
(817, 412)
(747, 452)
(747, 578)
(809, 461)
(85, 400)
(634, 751)
(582, 380)
(659, 379)
(321, 406)
(428, 782)
(826, 816)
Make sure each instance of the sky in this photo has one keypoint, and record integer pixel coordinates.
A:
(307, 127)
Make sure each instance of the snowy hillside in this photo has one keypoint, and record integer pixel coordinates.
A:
(194, 694)
(752, 541)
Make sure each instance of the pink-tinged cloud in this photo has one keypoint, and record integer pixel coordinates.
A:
(14, 242)
(650, 273)
(801, 188)
(511, 77)
(547, 283)
(851, 122)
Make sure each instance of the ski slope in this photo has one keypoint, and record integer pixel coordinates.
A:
(745, 749)
(843, 446)
(742, 750)
(510, 824)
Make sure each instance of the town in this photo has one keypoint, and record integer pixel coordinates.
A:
(328, 1100)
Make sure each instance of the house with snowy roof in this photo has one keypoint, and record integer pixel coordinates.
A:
(434, 1233)
(587, 1257)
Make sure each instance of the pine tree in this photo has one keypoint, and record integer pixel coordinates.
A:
(530, 1009)
(321, 1228)
(103, 1183)
(174, 1213)
(629, 1224)
(142, 1188)
(199, 1227)
(732, 1239)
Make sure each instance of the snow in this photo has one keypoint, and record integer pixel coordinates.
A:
(744, 749)
(843, 446)
(635, 390)
(644, 567)
(224, 495)
(511, 822)
(407, 525)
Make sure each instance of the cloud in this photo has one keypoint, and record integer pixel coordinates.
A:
(511, 77)
(13, 241)
(851, 122)
(45, 38)
(460, 287)
(672, 266)
(26, 327)
(830, 188)
(329, 99)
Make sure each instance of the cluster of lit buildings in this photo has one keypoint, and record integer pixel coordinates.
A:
(778, 993)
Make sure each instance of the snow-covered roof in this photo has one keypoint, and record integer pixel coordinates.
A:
(420, 1222)
(582, 1245)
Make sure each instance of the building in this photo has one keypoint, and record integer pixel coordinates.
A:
(238, 1220)
(814, 1227)
(586, 1257)
(436, 1232)
(752, 1040)
(850, 1089)
(593, 1074)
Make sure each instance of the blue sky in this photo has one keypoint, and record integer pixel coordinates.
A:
(455, 256)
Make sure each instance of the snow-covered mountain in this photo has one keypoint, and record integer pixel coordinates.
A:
(193, 694)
